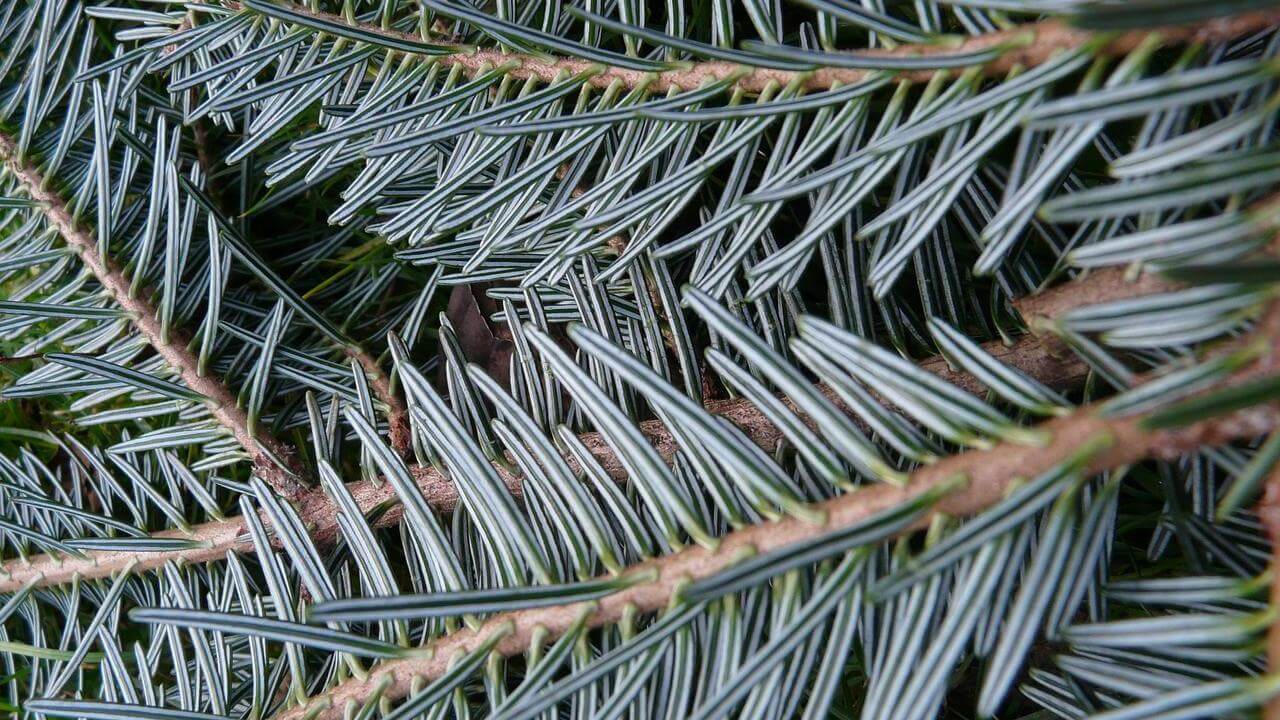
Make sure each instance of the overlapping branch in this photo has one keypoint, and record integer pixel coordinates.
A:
(379, 381)
(215, 539)
(988, 474)
(1025, 46)
(1030, 355)
(1022, 46)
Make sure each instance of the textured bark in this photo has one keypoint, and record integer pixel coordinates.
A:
(380, 386)
(1104, 285)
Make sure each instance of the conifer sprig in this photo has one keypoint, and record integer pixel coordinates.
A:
(408, 358)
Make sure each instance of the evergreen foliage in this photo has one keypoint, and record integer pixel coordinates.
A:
(600, 359)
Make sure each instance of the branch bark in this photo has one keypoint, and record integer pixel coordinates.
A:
(397, 412)
(1029, 45)
(1102, 286)
(174, 349)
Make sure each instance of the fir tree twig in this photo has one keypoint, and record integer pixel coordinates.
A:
(1027, 45)
(173, 346)
(989, 475)
(215, 539)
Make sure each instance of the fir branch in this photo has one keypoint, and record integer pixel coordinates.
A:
(799, 221)
(988, 474)
(1024, 46)
(213, 540)
(174, 347)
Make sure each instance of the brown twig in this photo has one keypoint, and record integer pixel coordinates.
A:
(397, 413)
(1120, 283)
(1027, 46)
(1113, 284)
(317, 510)
(989, 476)
(1104, 285)
(173, 347)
